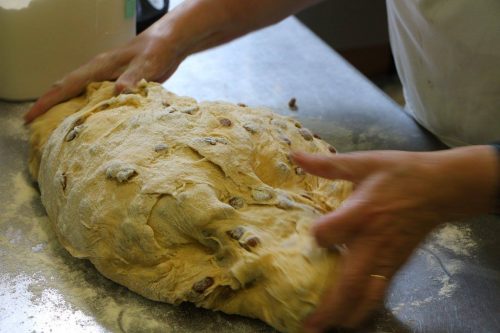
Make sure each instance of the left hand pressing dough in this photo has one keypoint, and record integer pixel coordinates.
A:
(185, 201)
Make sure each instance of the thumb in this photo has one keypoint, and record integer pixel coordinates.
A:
(353, 167)
(127, 82)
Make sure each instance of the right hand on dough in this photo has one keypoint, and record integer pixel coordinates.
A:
(155, 54)
(399, 198)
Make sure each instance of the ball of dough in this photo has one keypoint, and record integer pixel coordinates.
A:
(185, 201)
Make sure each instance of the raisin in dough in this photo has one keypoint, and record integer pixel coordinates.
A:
(180, 201)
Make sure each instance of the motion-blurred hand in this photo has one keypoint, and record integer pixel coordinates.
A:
(399, 198)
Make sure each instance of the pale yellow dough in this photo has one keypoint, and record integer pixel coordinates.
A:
(180, 201)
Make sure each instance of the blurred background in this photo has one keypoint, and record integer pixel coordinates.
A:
(357, 29)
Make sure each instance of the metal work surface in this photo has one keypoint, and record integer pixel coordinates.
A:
(451, 284)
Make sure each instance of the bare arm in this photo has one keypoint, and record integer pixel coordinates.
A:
(200, 24)
(155, 54)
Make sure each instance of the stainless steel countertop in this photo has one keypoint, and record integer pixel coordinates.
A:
(451, 284)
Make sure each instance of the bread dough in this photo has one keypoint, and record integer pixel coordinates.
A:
(180, 201)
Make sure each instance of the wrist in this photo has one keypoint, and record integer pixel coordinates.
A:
(191, 24)
(196, 25)
(469, 179)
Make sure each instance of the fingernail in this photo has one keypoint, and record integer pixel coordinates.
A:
(127, 90)
(296, 155)
(121, 88)
(27, 120)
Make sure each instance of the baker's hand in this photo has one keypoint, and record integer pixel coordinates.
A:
(149, 56)
(192, 26)
(399, 198)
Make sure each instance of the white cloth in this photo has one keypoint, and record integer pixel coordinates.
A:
(447, 54)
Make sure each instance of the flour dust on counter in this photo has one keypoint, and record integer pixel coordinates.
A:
(183, 201)
(443, 256)
(43, 288)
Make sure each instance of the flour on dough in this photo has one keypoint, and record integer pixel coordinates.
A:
(185, 201)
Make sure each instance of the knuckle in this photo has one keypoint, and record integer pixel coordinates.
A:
(70, 79)
(58, 84)
(101, 57)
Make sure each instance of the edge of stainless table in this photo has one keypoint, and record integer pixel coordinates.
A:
(451, 284)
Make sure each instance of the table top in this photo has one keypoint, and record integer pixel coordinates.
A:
(451, 284)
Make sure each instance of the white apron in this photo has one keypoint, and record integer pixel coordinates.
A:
(447, 54)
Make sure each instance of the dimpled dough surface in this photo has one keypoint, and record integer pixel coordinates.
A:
(185, 201)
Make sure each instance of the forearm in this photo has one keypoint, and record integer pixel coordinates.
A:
(196, 25)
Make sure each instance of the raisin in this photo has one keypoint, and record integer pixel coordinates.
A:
(63, 180)
(250, 242)
(261, 195)
(251, 128)
(306, 134)
(225, 292)
(160, 147)
(203, 285)
(292, 104)
(211, 141)
(237, 202)
(236, 233)
(225, 122)
(286, 140)
(299, 171)
(253, 241)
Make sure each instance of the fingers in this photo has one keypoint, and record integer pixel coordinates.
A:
(341, 225)
(391, 255)
(129, 79)
(142, 58)
(358, 292)
(364, 276)
(371, 301)
(352, 167)
(103, 67)
(59, 93)
(150, 66)
(341, 299)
